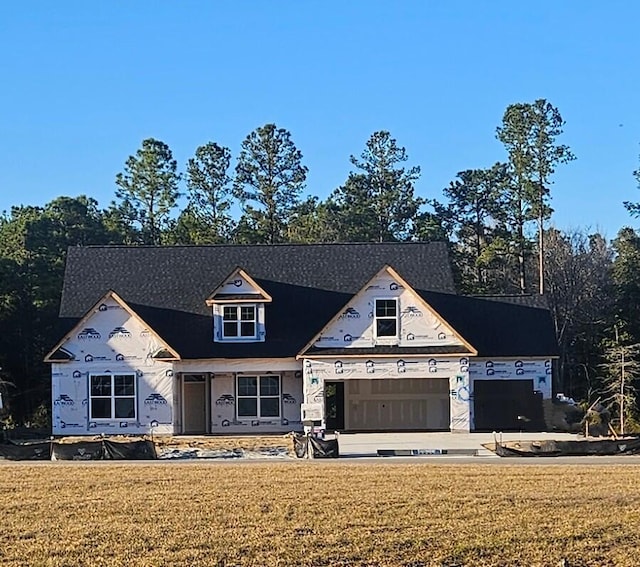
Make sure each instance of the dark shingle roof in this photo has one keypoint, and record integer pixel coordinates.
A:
(182, 277)
(309, 284)
(295, 315)
(167, 286)
(525, 299)
(495, 327)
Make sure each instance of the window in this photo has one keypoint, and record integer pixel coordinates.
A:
(258, 396)
(112, 396)
(239, 321)
(386, 318)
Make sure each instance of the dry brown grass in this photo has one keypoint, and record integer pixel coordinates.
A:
(318, 513)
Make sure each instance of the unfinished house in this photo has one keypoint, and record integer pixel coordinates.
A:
(263, 339)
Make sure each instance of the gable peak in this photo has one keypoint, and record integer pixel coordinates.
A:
(238, 286)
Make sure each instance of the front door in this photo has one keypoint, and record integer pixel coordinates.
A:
(194, 404)
(334, 405)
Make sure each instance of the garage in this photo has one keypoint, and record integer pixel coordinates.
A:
(507, 405)
(399, 404)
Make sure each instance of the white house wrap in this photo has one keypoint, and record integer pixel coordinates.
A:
(111, 342)
(395, 393)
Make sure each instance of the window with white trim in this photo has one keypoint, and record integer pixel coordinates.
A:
(258, 396)
(112, 396)
(239, 322)
(386, 318)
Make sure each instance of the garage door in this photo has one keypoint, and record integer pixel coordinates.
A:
(396, 405)
(507, 405)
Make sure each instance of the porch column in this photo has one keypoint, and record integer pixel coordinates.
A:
(312, 408)
(460, 402)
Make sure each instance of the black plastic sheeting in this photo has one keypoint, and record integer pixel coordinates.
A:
(577, 448)
(324, 449)
(25, 451)
(307, 445)
(140, 450)
(79, 451)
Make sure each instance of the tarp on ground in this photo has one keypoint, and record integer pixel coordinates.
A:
(26, 451)
(140, 450)
(78, 451)
(300, 443)
(574, 448)
(320, 448)
(324, 448)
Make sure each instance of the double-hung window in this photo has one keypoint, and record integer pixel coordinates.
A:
(239, 321)
(386, 318)
(258, 396)
(112, 396)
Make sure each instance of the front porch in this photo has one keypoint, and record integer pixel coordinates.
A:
(241, 402)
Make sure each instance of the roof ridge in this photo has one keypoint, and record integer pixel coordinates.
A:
(261, 245)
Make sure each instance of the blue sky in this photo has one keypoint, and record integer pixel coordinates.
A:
(83, 83)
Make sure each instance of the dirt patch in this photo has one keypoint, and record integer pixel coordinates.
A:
(225, 447)
(186, 447)
(249, 443)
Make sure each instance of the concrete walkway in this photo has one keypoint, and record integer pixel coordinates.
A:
(436, 444)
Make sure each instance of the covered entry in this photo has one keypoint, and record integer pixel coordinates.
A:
(194, 403)
(507, 405)
(397, 404)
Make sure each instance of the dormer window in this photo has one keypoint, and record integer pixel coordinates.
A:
(386, 318)
(239, 321)
(239, 309)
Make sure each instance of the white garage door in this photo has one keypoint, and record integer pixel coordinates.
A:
(397, 404)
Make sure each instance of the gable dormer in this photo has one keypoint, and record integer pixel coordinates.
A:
(238, 305)
(388, 315)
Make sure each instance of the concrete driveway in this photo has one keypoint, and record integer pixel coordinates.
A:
(461, 444)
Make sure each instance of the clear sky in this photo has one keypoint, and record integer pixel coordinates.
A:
(83, 83)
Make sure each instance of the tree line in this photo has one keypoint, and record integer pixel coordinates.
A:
(494, 220)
